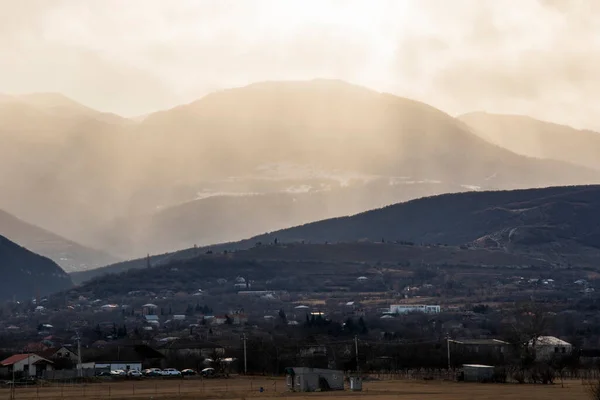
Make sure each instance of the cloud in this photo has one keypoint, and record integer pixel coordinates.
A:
(518, 56)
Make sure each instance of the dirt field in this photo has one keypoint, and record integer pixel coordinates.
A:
(242, 388)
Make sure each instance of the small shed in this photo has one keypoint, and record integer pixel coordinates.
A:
(302, 379)
(478, 372)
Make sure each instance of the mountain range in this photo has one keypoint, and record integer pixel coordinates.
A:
(26, 274)
(243, 161)
(556, 226)
(69, 255)
(530, 137)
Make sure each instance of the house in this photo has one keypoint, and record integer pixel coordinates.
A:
(152, 319)
(55, 353)
(149, 309)
(547, 347)
(239, 318)
(479, 350)
(29, 364)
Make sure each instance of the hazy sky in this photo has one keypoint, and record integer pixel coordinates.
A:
(537, 57)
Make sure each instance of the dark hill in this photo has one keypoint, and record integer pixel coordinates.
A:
(513, 220)
(297, 266)
(26, 274)
(556, 224)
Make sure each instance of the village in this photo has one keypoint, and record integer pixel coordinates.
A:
(238, 326)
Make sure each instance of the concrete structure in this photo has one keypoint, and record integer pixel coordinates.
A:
(355, 384)
(301, 379)
(547, 347)
(407, 308)
(478, 372)
(29, 364)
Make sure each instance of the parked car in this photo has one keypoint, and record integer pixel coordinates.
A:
(134, 373)
(152, 372)
(188, 372)
(207, 372)
(118, 372)
(103, 373)
(170, 372)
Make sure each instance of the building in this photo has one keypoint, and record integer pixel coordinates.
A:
(478, 373)
(547, 347)
(112, 365)
(55, 353)
(29, 364)
(187, 348)
(312, 379)
(408, 308)
(479, 350)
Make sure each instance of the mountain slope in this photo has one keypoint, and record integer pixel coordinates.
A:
(58, 104)
(534, 138)
(223, 142)
(69, 255)
(559, 215)
(58, 171)
(334, 125)
(224, 218)
(555, 224)
(26, 274)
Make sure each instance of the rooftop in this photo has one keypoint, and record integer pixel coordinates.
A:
(551, 341)
(20, 357)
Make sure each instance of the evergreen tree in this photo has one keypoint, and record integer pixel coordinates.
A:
(362, 326)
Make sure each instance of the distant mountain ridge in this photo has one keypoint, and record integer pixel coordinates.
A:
(131, 187)
(26, 274)
(534, 138)
(69, 255)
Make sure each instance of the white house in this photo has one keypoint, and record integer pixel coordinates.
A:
(29, 363)
(547, 347)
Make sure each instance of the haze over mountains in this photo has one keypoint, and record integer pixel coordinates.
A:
(530, 137)
(277, 154)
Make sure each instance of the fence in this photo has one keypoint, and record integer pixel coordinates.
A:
(175, 388)
(65, 374)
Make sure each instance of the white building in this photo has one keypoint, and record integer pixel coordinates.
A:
(124, 365)
(407, 308)
(547, 347)
(30, 364)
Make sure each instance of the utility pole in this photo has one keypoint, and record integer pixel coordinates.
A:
(245, 358)
(448, 347)
(79, 366)
(356, 351)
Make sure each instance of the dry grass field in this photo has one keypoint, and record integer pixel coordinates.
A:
(244, 388)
